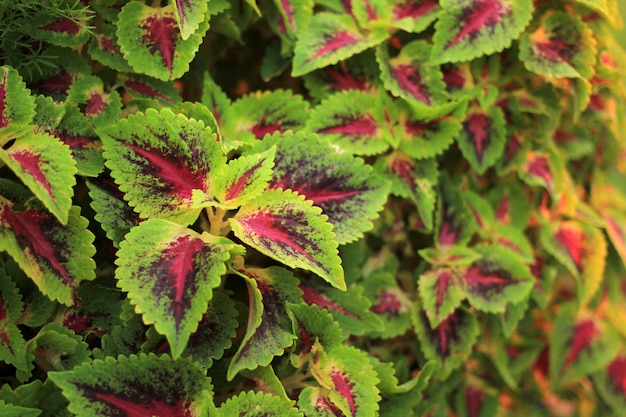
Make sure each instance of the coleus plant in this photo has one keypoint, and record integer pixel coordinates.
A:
(407, 208)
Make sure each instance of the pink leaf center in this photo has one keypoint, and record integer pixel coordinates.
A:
(476, 16)
(161, 34)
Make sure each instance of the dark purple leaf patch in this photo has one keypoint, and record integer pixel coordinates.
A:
(64, 25)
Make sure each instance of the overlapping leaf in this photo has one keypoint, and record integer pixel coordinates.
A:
(17, 106)
(55, 256)
(60, 30)
(12, 344)
(354, 121)
(426, 137)
(283, 226)
(295, 15)
(78, 133)
(389, 303)
(114, 215)
(136, 386)
(579, 345)
(454, 223)
(46, 167)
(258, 404)
(253, 116)
(581, 249)
(159, 159)
(497, 279)
(482, 138)
(269, 330)
(169, 272)
(409, 74)
(449, 343)
(610, 382)
(467, 29)
(414, 15)
(341, 185)
(350, 308)
(190, 14)
(562, 46)
(330, 38)
(148, 88)
(350, 383)
(152, 43)
(215, 331)
(312, 324)
(441, 291)
(104, 48)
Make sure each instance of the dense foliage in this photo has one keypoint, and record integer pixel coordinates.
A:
(296, 208)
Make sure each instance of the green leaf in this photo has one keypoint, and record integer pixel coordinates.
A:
(579, 345)
(467, 29)
(244, 179)
(330, 38)
(347, 373)
(159, 159)
(140, 86)
(350, 308)
(346, 189)
(215, 331)
(62, 29)
(295, 15)
(389, 302)
(55, 256)
(482, 138)
(101, 108)
(104, 48)
(454, 222)
(152, 43)
(449, 343)
(46, 167)
(441, 292)
(416, 180)
(112, 212)
(581, 249)
(423, 138)
(562, 46)
(262, 113)
(17, 106)
(269, 330)
(78, 133)
(609, 383)
(169, 272)
(136, 386)
(409, 74)
(312, 324)
(414, 15)
(214, 98)
(59, 348)
(190, 14)
(497, 279)
(10, 410)
(12, 344)
(283, 226)
(354, 121)
(258, 404)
